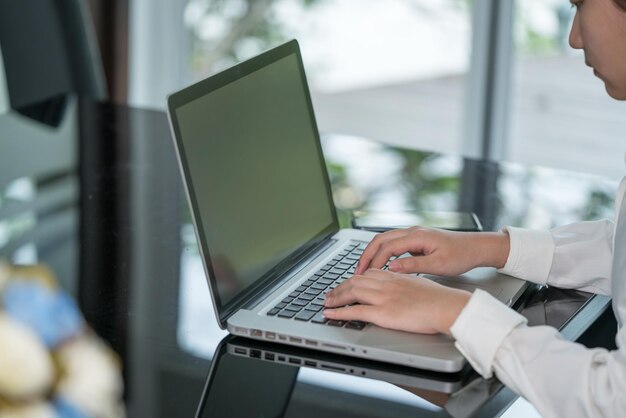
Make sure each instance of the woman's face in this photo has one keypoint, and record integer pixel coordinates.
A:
(599, 29)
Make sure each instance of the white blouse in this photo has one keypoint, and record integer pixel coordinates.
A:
(560, 378)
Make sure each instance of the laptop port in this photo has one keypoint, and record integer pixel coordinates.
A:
(295, 340)
(310, 342)
(310, 363)
(270, 335)
(333, 368)
(336, 347)
(281, 358)
(255, 353)
(240, 350)
(269, 356)
(293, 360)
(256, 333)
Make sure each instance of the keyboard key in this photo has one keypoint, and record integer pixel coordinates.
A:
(301, 288)
(286, 314)
(325, 281)
(314, 307)
(307, 297)
(344, 264)
(288, 299)
(305, 315)
(300, 302)
(336, 270)
(294, 294)
(319, 286)
(319, 319)
(273, 312)
(308, 282)
(293, 308)
(335, 323)
(358, 325)
(313, 292)
(330, 276)
(281, 305)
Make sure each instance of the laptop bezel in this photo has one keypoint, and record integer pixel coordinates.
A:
(202, 88)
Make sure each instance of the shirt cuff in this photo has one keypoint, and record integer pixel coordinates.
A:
(530, 254)
(481, 328)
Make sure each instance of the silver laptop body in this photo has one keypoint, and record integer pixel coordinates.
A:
(251, 159)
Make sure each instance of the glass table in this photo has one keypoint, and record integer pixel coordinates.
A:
(93, 191)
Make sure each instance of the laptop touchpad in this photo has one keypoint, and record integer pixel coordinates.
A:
(494, 291)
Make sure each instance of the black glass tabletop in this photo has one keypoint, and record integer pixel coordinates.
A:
(96, 240)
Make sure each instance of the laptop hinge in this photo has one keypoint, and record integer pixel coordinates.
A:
(303, 262)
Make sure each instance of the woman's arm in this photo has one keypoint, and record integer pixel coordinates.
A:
(435, 251)
(560, 378)
(573, 256)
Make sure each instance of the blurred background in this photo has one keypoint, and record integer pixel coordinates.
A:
(482, 78)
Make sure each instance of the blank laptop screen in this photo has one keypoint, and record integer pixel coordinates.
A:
(256, 172)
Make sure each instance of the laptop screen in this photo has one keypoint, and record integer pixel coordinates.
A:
(255, 172)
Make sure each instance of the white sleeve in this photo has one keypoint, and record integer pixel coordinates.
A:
(573, 256)
(560, 378)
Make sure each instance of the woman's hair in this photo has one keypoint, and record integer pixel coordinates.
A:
(621, 4)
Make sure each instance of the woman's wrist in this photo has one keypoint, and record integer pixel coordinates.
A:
(494, 249)
(452, 308)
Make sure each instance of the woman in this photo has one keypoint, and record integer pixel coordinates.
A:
(560, 378)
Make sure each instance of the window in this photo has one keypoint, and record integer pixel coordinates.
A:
(392, 71)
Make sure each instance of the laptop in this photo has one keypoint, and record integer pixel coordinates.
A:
(251, 159)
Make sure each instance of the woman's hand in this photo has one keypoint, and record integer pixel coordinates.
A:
(396, 301)
(435, 251)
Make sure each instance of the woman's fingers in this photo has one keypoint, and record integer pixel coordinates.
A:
(395, 247)
(358, 289)
(396, 301)
(365, 313)
(373, 247)
(435, 251)
(415, 264)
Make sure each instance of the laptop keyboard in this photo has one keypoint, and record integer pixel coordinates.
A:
(306, 303)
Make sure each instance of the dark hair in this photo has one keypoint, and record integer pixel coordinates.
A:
(621, 4)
